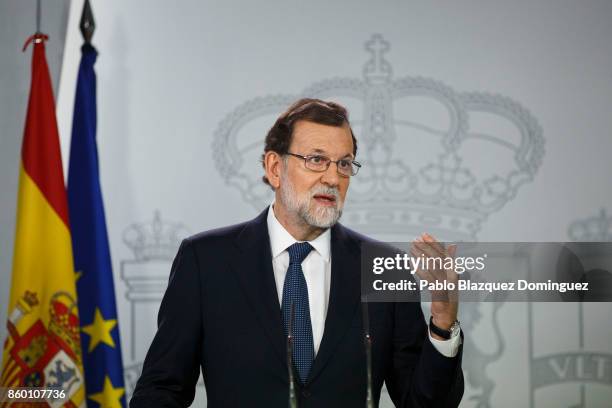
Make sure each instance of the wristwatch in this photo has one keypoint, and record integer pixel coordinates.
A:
(445, 334)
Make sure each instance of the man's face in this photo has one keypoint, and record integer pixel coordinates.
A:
(317, 198)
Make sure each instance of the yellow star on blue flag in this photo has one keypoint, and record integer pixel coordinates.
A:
(100, 331)
(109, 397)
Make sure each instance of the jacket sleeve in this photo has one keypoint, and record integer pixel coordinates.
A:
(171, 367)
(420, 375)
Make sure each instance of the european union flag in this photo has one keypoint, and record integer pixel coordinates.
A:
(100, 342)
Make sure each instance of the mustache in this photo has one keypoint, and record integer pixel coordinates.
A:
(326, 191)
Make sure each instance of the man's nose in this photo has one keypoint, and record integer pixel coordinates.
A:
(330, 176)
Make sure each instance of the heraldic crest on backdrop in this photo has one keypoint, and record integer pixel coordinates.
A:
(434, 159)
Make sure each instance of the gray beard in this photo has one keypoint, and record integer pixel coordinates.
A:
(319, 217)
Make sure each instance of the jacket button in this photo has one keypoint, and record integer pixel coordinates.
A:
(306, 393)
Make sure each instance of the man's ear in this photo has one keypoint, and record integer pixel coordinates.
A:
(272, 163)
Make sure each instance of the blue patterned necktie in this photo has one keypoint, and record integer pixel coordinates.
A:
(295, 291)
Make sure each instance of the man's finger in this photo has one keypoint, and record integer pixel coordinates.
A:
(419, 249)
(433, 273)
(428, 250)
(432, 241)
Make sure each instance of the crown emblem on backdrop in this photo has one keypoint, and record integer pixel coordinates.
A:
(156, 239)
(433, 159)
(592, 229)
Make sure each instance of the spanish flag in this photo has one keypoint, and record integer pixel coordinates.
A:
(43, 346)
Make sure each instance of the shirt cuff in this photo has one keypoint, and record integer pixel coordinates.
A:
(448, 348)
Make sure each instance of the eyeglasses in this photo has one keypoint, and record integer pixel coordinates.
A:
(318, 163)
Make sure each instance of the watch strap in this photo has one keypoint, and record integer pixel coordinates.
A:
(445, 334)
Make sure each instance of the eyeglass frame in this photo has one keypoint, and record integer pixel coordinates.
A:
(355, 164)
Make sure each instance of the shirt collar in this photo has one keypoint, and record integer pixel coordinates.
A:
(281, 239)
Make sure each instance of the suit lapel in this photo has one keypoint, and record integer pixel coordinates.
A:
(344, 295)
(254, 271)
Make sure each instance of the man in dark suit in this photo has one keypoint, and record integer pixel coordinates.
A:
(236, 293)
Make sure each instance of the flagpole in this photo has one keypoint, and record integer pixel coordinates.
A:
(38, 36)
(38, 8)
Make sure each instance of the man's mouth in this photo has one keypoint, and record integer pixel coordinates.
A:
(325, 199)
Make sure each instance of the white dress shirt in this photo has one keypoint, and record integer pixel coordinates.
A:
(317, 273)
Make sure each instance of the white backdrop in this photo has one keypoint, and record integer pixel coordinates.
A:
(509, 100)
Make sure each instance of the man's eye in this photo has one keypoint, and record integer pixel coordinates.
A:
(344, 164)
(317, 159)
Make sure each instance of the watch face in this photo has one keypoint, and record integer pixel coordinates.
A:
(455, 329)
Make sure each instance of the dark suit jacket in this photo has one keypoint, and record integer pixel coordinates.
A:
(221, 312)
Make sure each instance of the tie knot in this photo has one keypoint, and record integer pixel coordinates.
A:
(298, 251)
